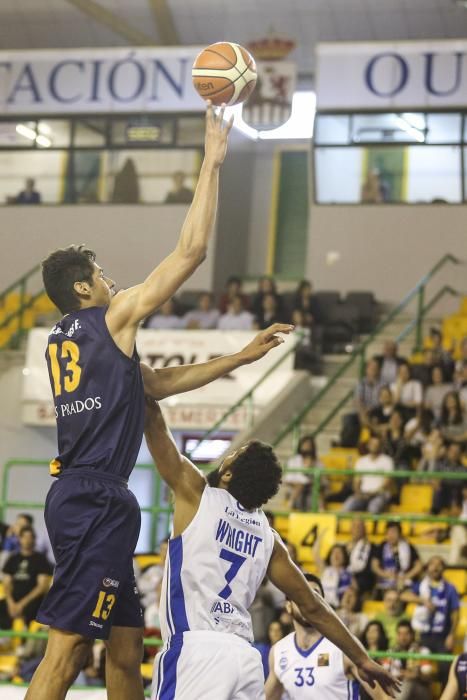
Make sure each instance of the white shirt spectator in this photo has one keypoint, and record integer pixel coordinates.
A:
(236, 322)
(409, 393)
(159, 321)
(206, 320)
(381, 463)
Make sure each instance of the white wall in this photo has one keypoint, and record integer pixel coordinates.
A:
(129, 240)
(385, 248)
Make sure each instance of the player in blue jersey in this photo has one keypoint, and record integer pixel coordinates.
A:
(92, 518)
(220, 550)
(456, 688)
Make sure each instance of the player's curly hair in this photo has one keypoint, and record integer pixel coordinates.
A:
(61, 269)
(256, 475)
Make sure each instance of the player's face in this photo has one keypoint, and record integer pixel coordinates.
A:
(102, 288)
(294, 610)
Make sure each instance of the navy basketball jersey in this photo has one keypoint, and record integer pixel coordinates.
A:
(98, 394)
(461, 675)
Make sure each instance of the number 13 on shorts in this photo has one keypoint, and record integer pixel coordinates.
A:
(104, 605)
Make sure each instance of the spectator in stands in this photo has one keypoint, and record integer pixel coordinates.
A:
(305, 301)
(437, 613)
(418, 430)
(236, 318)
(374, 637)
(436, 392)
(206, 316)
(414, 674)
(395, 443)
(360, 551)
(447, 493)
(378, 417)
(371, 492)
(333, 571)
(25, 580)
(126, 184)
(305, 356)
(263, 611)
(442, 357)
(396, 562)
(461, 385)
(306, 458)
(407, 391)
(10, 542)
(391, 614)
(350, 612)
(266, 285)
(179, 194)
(233, 289)
(29, 195)
(269, 313)
(453, 420)
(366, 398)
(389, 362)
(422, 371)
(166, 318)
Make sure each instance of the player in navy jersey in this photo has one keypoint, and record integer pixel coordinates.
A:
(456, 688)
(92, 518)
(220, 550)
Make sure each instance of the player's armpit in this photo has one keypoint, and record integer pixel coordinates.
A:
(273, 688)
(185, 480)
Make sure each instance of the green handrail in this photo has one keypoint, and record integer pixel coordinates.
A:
(359, 352)
(24, 305)
(21, 280)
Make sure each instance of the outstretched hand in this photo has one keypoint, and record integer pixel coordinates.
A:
(217, 133)
(264, 342)
(371, 672)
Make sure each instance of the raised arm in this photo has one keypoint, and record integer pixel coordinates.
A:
(376, 693)
(131, 306)
(160, 383)
(289, 579)
(451, 691)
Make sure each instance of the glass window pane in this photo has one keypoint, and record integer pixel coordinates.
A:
(44, 167)
(53, 133)
(134, 176)
(190, 131)
(332, 128)
(90, 132)
(389, 128)
(338, 175)
(142, 131)
(434, 174)
(443, 128)
(17, 134)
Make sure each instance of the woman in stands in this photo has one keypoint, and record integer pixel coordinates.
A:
(374, 638)
(350, 612)
(453, 421)
(300, 484)
(333, 571)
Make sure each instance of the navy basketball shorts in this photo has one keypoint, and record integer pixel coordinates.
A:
(93, 521)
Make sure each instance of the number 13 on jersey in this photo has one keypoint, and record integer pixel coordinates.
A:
(69, 370)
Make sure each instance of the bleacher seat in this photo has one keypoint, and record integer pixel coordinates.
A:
(458, 578)
(416, 498)
(367, 309)
(372, 607)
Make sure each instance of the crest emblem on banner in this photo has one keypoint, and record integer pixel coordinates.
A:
(270, 105)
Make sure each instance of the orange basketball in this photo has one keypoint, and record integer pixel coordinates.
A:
(224, 72)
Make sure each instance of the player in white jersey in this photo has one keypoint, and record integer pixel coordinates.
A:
(220, 550)
(304, 665)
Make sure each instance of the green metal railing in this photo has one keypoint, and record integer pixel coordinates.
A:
(359, 354)
(26, 301)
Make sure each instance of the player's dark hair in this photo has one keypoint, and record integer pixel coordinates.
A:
(61, 269)
(29, 519)
(256, 475)
(27, 528)
(311, 578)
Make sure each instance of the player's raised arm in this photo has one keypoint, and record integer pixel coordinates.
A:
(376, 693)
(289, 579)
(273, 688)
(451, 691)
(160, 383)
(131, 306)
(185, 480)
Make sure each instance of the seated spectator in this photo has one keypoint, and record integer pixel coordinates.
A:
(436, 392)
(422, 371)
(395, 562)
(166, 318)
(378, 417)
(233, 289)
(446, 492)
(417, 430)
(453, 420)
(350, 612)
(179, 194)
(26, 580)
(269, 313)
(29, 195)
(374, 637)
(266, 285)
(334, 573)
(306, 458)
(205, 317)
(415, 675)
(366, 398)
(10, 541)
(305, 356)
(371, 492)
(407, 391)
(461, 385)
(389, 362)
(395, 444)
(236, 318)
(360, 551)
(442, 357)
(437, 613)
(391, 615)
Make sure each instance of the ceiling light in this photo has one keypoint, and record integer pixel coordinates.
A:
(410, 130)
(44, 128)
(43, 141)
(26, 131)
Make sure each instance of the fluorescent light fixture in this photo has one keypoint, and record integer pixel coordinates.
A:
(44, 128)
(26, 131)
(43, 141)
(298, 126)
(410, 130)
(415, 120)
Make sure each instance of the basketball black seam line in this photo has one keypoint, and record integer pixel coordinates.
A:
(232, 82)
(232, 65)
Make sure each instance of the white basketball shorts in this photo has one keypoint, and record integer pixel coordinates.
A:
(208, 666)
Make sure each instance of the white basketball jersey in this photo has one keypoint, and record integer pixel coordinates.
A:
(315, 673)
(215, 567)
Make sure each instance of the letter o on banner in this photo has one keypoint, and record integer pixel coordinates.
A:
(394, 65)
(132, 80)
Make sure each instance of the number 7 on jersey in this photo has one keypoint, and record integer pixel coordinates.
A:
(236, 561)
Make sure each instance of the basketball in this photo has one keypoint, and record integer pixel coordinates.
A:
(224, 72)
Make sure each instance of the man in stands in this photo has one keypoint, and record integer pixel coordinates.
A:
(236, 318)
(205, 316)
(389, 362)
(233, 288)
(415, 674)
(366, 398)
(396, 562)
(391, 615)
(166, 318)
(26, 579)
(371, 493)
